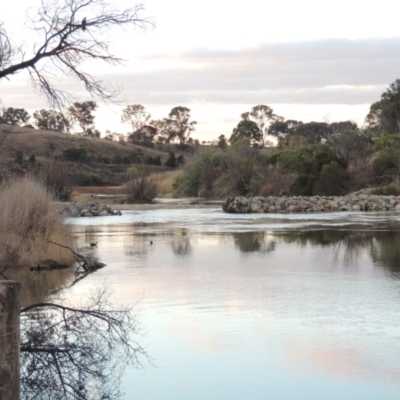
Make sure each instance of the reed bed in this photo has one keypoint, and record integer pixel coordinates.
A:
(28, 221)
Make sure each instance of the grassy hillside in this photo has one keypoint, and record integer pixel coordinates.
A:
(109, 160)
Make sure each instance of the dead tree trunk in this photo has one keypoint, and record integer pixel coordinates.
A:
(9, 339)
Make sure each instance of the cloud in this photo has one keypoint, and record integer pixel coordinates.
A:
(324, 71)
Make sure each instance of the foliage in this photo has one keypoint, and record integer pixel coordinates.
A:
(81, 113)
(333, 180)
(75, 153)
(171, 162)
(246, 129)
(349, 145)
(280, 129)
(72, 32)
(32, 159)
(222, 142)
(308, 162)
(217, 172)
(384, 115)
(386, 142)
(58, 180)
(88, 179)
(15, 116)
(50, 120)
(152, 160)
(19, 157)
(177, 127)
(264, 117)
(199, 176)
(386, 164)
(312, 132)
(137, 116)
(143, 188)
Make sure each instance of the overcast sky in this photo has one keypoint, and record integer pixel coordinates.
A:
(308, 60)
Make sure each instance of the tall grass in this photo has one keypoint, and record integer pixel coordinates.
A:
(28, 220)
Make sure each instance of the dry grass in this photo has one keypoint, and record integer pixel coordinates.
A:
(41, 142)
(28, 220)
(166, 181)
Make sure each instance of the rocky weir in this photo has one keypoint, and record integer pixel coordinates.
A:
(82, 209)
(300, 204)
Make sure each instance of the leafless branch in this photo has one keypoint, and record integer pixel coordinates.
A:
(77, 352)
(73, 31)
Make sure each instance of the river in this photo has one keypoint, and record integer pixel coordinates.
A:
(254, 306)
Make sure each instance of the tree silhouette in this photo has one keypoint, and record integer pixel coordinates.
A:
(67, 44)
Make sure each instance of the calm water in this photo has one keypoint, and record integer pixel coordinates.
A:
(280, 307)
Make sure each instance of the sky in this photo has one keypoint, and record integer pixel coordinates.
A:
(309, 60)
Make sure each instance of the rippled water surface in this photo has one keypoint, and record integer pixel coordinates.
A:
(255, 306)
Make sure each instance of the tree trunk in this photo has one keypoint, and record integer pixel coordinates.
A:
(9, 339)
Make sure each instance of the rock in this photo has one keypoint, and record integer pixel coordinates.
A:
(86, 210)
(272, 204)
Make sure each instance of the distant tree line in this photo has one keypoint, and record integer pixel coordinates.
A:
(79, 118)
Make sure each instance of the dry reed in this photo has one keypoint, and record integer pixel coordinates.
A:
(28, 220)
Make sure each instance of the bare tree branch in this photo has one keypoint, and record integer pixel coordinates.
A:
(73, 31)
(77, 352)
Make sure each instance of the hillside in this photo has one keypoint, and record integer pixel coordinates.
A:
(109, 160)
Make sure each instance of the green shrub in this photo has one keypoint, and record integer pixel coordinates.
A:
(303, 185)
(333, 180)
(32, 159)
(387, 142)
(386, 163)
(89, 179)
(19, 157)
(75, 154)
(171, 162)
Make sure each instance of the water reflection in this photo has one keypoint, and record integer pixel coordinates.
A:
(76, 352)
(36, 286)
(254, 241)
(181, 243)
(312, 306)
(382, 246)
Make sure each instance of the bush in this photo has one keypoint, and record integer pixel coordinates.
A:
(89, 179)
(19, 157)
(171, 162)
(333, 180)
(386, 164)
(75, 154)
(32, 159)
(58, 180)
(310, 163)
(142, 189)
(28, 220)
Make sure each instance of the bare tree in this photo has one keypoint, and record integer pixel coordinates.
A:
(77, 352)
(73, 32)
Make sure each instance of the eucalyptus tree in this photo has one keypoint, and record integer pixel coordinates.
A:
(50, 120)
(384, 114)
